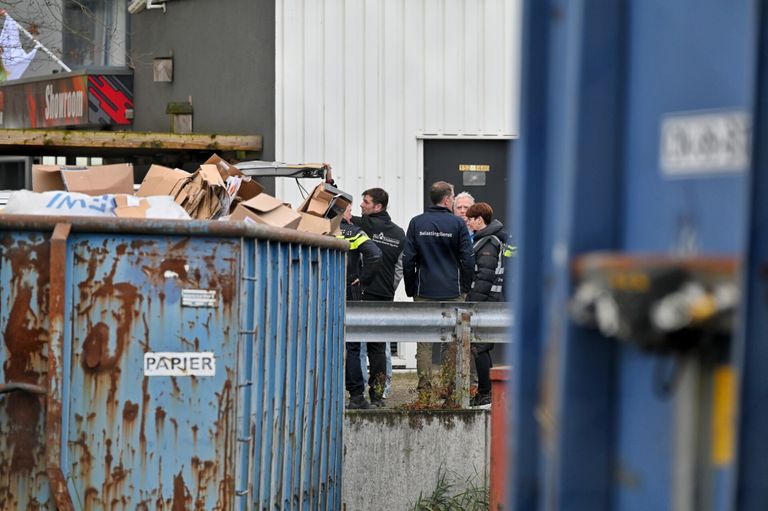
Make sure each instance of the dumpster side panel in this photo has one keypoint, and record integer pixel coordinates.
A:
(139, 439)
(297, 324)
(24, 261)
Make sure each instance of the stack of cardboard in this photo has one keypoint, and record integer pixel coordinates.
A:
(203, 194)
(216, 190)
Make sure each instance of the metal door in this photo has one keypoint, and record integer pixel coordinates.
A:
(478, 167)
(139, 439)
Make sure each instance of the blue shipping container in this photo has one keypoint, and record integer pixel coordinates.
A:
(169, 365)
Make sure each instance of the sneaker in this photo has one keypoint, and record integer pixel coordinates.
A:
(358, 403)
(480, 400)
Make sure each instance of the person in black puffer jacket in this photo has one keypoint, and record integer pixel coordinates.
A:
(489, 244)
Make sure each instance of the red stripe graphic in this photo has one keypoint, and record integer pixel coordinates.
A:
(112, 102)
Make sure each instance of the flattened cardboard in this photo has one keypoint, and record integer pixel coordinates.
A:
(96, 180)
(161, 181)
(265, 209)
(128, 206)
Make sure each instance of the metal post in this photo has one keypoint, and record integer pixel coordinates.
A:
(462, 338)
(55, 350)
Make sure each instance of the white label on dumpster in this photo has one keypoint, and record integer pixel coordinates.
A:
(704, 143)
(166, 363)
(198, 297)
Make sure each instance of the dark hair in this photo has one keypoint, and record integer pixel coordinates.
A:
(378, 196)
(481, 209)
(440, 190)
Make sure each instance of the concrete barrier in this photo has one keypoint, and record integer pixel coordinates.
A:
(392, 456)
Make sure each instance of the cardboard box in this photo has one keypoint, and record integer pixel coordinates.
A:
(265, 209)
(46, 178)
(319, 225)
(326, 201)
(161, 181)
(97, 180)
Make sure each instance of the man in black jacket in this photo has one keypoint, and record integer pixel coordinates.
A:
(390, 238)
(362, 264)
(437, 263)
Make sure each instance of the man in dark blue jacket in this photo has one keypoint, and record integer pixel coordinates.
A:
(437, 263)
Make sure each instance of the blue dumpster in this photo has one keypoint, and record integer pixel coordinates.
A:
(169, 365)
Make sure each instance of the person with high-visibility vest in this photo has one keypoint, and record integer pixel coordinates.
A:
(362, 262)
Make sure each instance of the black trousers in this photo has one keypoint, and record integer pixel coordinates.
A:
(483, 363)
(377, 358)
(377, 375)
(353, 375)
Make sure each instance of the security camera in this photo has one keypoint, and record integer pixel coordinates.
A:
(136, 6)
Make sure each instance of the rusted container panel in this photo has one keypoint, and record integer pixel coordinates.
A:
(24, 277)
(295, 315)
(201, 367)
(138, 441)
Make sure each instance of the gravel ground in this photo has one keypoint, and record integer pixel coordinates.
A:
(404, 383)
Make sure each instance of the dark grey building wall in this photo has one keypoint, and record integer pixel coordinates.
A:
(223, 57)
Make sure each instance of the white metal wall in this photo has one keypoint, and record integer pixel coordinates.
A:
(361, 83)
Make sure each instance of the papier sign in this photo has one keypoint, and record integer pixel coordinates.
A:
(167, 363)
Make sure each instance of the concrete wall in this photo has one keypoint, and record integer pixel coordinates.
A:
(224, 60)
(392, 456)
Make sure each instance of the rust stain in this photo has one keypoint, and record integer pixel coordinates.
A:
(86, 458)
(96, 342)
(144, 407)
(179, 493)
(25, 336)
(108, 456)
(204, 473)
(91, 497)
(23, 436)
(176, 265)
(130, 411)
(225, 442)
(159, 421)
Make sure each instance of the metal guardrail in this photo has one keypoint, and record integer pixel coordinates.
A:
(460, 323)
(426, 321)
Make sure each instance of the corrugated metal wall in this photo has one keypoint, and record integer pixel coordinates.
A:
(360, 83)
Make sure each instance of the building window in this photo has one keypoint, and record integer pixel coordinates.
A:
(95, 33)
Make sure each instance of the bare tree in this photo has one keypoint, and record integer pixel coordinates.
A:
(80, 32)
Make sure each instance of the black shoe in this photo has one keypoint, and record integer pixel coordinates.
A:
(480, 400)
(378, 403)
(357, 403)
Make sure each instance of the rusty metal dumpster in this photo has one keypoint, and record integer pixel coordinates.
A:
(169, 365)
